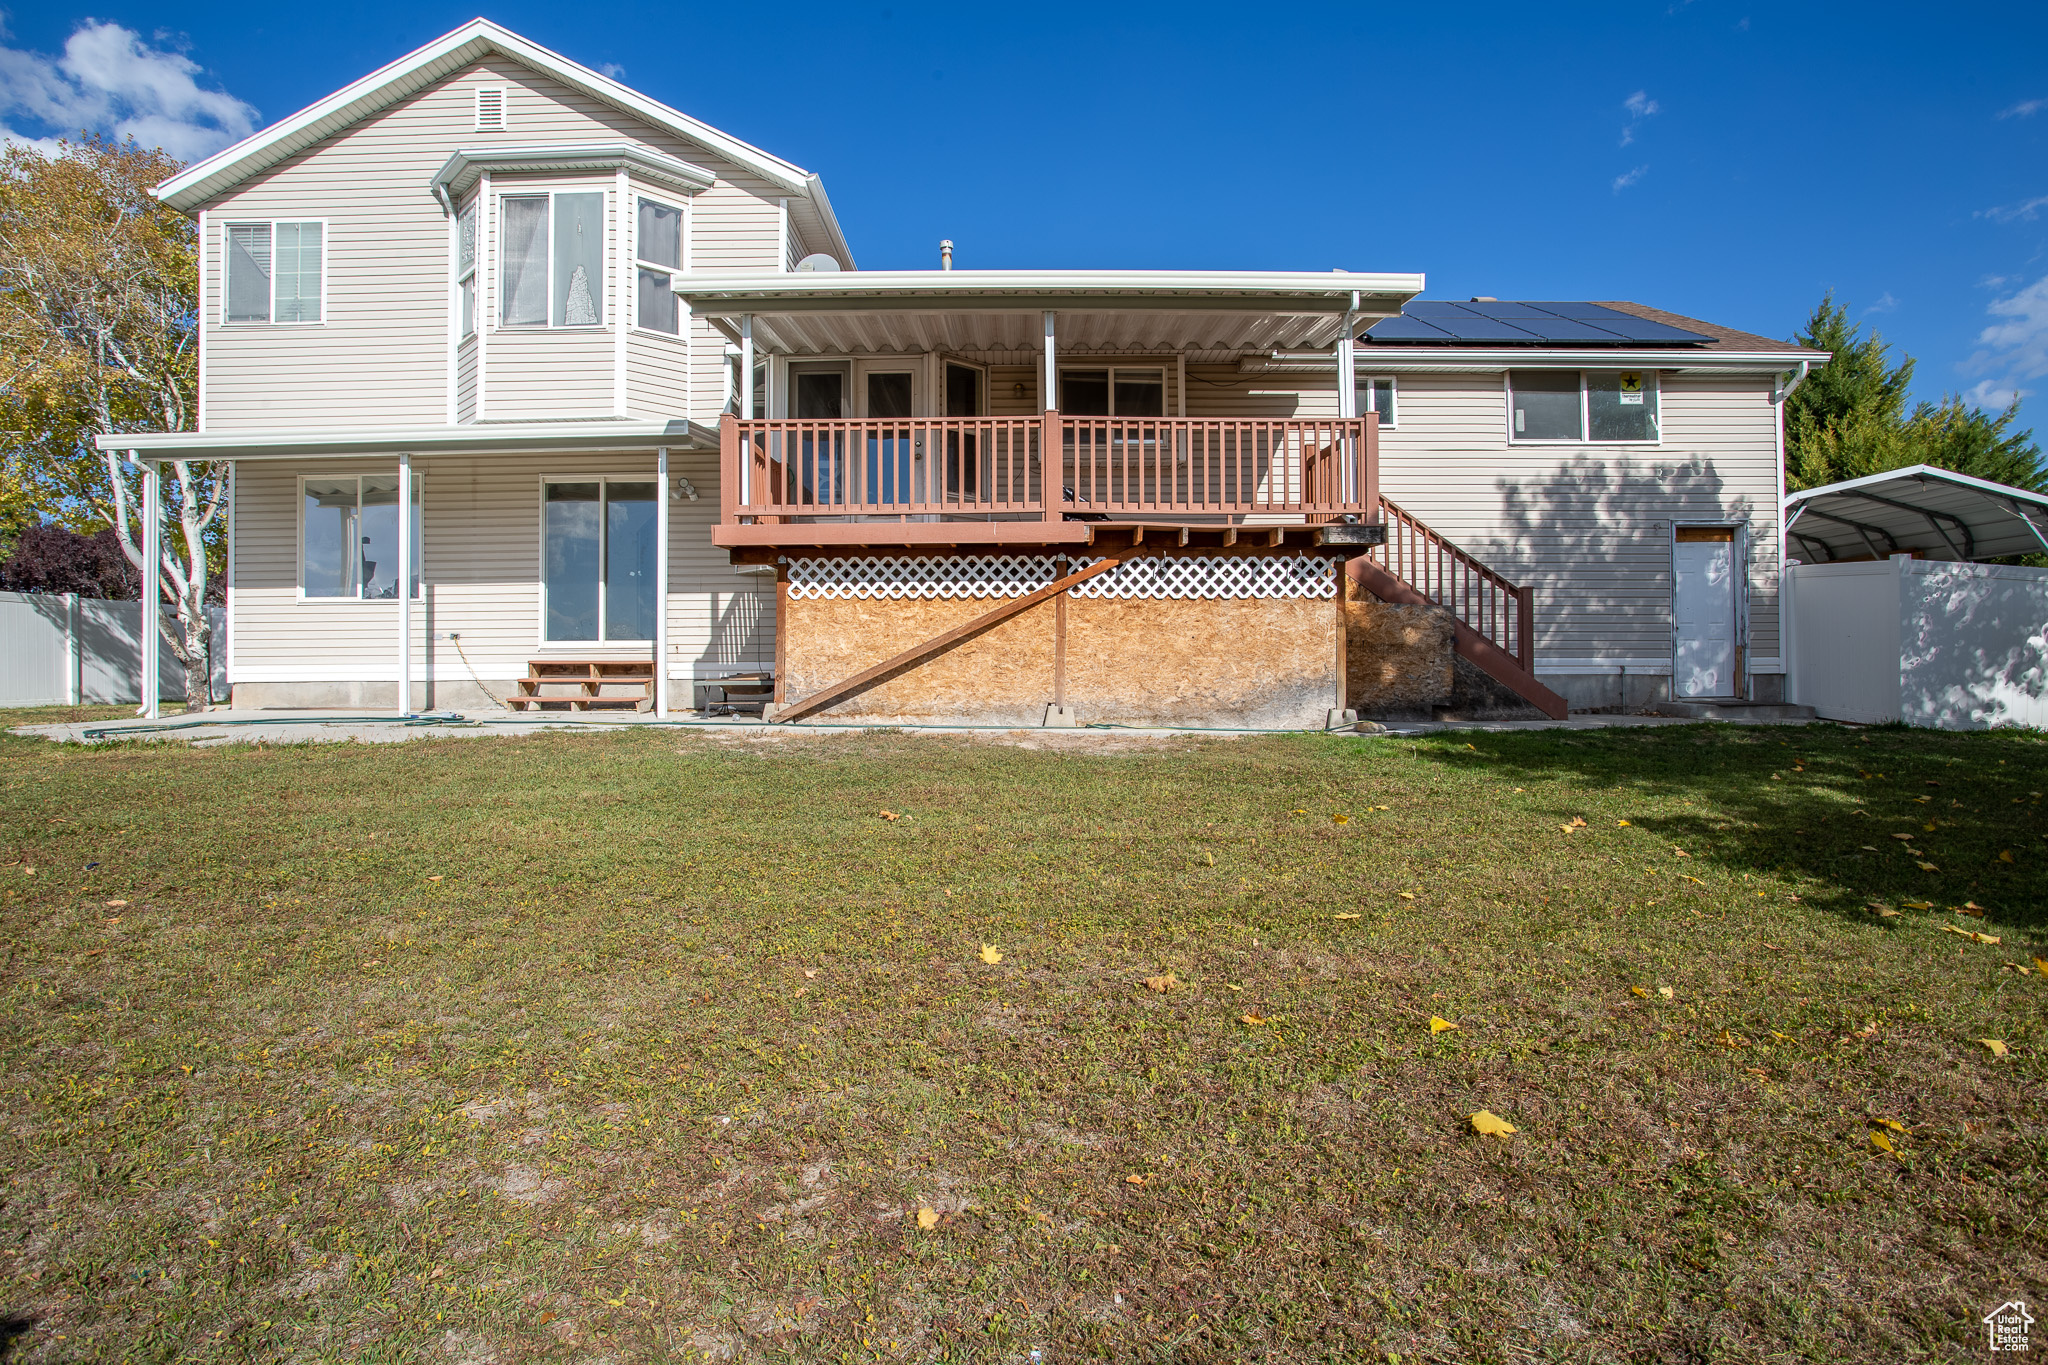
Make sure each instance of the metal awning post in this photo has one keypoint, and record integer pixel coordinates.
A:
(1050, 391)
(406, 570)
(152, 588)
(1347, 396)
(661, 584)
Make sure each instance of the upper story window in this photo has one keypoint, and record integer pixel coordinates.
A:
(1376, 394)
(553, 251)
(348, 537)
(465, 266)
(276, 272)
(490, 108)
(1582, 405)
(658, 253)
(1116, 392)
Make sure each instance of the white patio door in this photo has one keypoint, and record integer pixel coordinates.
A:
(1703, 616)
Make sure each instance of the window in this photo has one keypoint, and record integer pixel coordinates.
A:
(465, 266)
(553, 247)
(275, 272)
(598, 550)
(1117, 392)
(490, 108)
(1376, 394)
(1571, 405)
(658, 249)
(349, 537)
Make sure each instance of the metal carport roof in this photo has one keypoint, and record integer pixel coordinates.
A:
(1937, 512)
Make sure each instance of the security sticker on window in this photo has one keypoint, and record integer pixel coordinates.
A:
(1631, 388)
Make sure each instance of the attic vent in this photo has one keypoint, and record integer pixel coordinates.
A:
(490, 106)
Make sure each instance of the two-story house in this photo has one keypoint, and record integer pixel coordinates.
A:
(523, 375)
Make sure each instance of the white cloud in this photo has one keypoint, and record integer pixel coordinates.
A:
(109, 81)
(2024, 109)
(1640, 106)
(1885, 304)
(1627, 178)
(612, 69)
(2015, 348)
(2015, 213)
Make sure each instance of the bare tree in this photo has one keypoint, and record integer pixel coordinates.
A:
(98, 336)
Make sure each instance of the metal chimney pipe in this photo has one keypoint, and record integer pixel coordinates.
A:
(946, 254)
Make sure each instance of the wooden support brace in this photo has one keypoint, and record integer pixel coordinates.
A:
(839, 691)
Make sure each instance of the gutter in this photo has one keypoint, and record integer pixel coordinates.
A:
(1448, 361)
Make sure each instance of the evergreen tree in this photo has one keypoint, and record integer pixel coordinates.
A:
(1850, 418)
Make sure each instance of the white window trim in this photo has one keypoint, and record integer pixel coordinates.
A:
(419, 504)
(326, 259)
(1160, 367)
(540, 576)
(498, 324)
(682, 205)
(1584, 438)
(1364, 385)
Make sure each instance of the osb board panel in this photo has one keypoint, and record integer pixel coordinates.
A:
(1262, 662)
(1397, 658)
(1002, 677)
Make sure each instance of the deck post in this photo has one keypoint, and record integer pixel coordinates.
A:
(1050, 394)
(747, 366)
(152, 587)
(1525, 629)
(1347, 400)
(406, 569)
(661, 584)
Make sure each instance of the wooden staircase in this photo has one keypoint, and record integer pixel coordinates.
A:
(589, 678)
(1495, 619)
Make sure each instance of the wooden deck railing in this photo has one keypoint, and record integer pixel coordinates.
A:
(968, 468)
(1482, 600)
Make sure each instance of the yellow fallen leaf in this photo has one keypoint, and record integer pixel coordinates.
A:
(1892, 1124)
(1491, 1124)
(1297, 812)
(990, 955)
(1134, 1180)
(115, 905)
(1781, 1037)
(1928, 827)
(2041, 965)
(2005, 856)
(1639, 991)
(1664, 991)
(927, 1218)
(1907, 837)
(810, 974)
(1437, 1025)
(434, 878)
(1162, 984)
(1473, 747)
(1344, 916)
(1970, 934)
(1252, 1019)
(1995, 1046)
(1883, 1144)
(1340, 819)
(1972, 905)
(1236, 988)
(1928, 867)
(1918, 905)
(1681, 853)
(1407, 895)
(888, 815)
(1884, 910)
(1619, 823)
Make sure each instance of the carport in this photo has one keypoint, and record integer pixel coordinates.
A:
(1895, 612)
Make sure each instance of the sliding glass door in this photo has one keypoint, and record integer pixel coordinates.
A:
(599, 549)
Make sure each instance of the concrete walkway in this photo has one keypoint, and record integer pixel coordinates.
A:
(225, 726)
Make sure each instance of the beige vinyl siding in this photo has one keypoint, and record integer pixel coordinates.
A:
(481, 564)
(380, 358)
(1220, 391)
(1589, 527)
(532, 374)
(465, 380)
(658, 376)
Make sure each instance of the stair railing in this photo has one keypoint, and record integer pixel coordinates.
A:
(1501, 611)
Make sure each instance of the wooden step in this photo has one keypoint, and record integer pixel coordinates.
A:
(632, 679)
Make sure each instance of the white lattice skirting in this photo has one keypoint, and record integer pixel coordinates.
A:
(1160, 576)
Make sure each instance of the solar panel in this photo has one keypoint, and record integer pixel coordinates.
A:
(1514, 323)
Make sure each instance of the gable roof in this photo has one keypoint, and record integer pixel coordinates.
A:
(1718, 338)
(443, 57)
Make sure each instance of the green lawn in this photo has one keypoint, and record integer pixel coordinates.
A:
(659, 1045)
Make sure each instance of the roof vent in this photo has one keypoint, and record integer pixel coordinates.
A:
(1484, 298)
(490, 107)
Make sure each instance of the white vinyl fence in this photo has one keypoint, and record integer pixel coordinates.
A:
(1945, 645)
(61, 649)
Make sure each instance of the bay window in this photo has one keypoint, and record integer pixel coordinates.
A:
(553, 259)
(465, 266)
(348, 537)
(598, 559)
(658, 255)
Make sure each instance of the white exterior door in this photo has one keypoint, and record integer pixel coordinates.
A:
(1703, 583)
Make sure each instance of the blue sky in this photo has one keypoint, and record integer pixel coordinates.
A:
(1728, 160)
